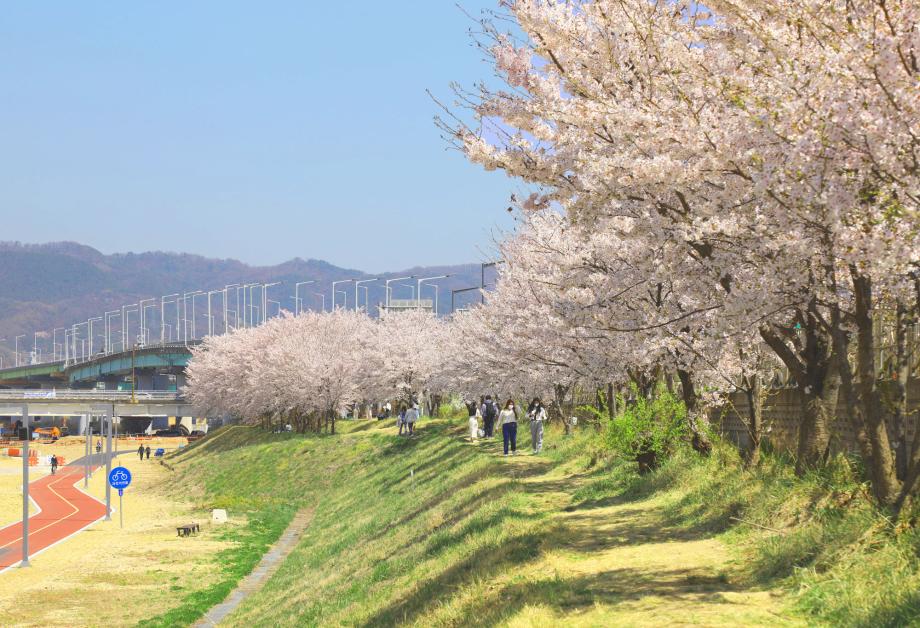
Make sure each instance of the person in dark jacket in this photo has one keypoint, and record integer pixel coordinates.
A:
(147, 451)
(140, 452)
(489, 412)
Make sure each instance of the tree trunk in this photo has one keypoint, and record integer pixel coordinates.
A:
(884, 480)
(900, 410)
(698, 423)
(611, 401)
(753, 390)
(814, 367)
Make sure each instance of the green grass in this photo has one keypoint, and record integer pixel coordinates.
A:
(436, 531)
(826, 542)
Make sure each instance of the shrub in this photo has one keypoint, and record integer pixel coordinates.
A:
(646, 430)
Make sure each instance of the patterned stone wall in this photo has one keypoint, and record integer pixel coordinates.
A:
(783, 412)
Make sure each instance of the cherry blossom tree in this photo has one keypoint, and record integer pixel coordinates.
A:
(764, 155)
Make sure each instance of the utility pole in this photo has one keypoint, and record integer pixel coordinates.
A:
(25, 487)
(88, 434)
(108, 463)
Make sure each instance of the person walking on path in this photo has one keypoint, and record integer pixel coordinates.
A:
(140, 452)
(401, 419)
(412, 415)
(508, 421)
(473, 409)
(54, 464)
(489, 413)
(147, 451)
(537, 414)
(99, 446)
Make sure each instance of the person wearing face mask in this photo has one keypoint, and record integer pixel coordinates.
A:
(508, 420)
(537, 414)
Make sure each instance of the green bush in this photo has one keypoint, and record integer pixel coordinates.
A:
(646, 426)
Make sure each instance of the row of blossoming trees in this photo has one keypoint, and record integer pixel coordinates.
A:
(305, 370)
(715, 191)
(715, 196)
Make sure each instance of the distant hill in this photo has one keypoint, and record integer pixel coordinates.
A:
(44, 286)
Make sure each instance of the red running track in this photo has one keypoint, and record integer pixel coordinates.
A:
(64, 511)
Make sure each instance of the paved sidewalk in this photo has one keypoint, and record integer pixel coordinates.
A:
(263, 571)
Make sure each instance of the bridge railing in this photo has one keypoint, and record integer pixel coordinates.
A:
(89, 395)
(72, 361)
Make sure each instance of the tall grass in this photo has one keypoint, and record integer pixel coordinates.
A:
(819, 536)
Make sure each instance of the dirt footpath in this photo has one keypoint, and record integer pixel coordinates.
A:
(620, 564)
(107, 575)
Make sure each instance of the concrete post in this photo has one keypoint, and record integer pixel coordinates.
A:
(87, 433)
(108, 464)
(25, 488)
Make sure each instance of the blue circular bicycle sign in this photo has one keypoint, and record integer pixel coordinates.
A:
(119, 478)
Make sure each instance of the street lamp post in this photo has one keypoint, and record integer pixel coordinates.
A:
(357, 285)
(436, 291)
(265, 287)
(90, 325)
(124, 325)
(145, 331)
(323, 297)
(108, 331)
(210, 319)
(418, 301)
(226, 307)
(388, 292)
(17, 347)
(54, 342)
(73, 339)
(197, 293)
(334, 284)
(185, 296)
(143, 317)
(297, 295)
(454, 293)
(163, 300)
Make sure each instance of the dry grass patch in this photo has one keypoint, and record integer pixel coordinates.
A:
(111, 576)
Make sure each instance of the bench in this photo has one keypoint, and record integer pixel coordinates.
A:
(187, 529)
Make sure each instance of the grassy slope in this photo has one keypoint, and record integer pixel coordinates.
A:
(435, 531)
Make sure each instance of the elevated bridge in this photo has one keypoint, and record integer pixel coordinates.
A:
(140, 362)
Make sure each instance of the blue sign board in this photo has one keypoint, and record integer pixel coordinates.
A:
(119, 478)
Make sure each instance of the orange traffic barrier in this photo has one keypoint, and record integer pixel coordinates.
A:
(13, 452)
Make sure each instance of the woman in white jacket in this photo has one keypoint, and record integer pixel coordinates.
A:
(473, 409)
(508, 420)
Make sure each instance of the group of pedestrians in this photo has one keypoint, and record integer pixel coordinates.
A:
(143, 450)
(407, 418)
(487, 410)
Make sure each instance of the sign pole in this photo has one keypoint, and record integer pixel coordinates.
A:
(25, 488)
(119, 478)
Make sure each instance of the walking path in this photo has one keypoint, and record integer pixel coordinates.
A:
(266, 567)
(62, 511)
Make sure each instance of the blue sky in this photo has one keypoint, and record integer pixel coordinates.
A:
(258, 131)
